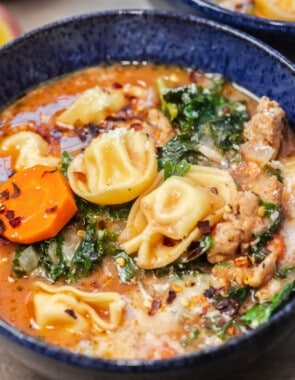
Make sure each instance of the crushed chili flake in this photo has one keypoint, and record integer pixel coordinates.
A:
(71, 313)
(5, 194)
(15, 222)
(137, 126)
(9, 214)
(80, 176)
(51, 210)
(2, 227)
(117, 85)
(214, 190)
(168, 242)
(171, 296)
(2, 240)
(16, 190)
(156, 305)
(204, 226)
(228, 306)
(101, 225)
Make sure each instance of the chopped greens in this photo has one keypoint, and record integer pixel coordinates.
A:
(187, 340)
(66, 159)
(261, 312)
(283, 272)
(176, 168)
(275, 213)
(202, 115)
(125, 266)
(269, 170)
(50, 256)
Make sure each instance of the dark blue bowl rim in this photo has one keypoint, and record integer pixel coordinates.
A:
(187, 360)
(254, 22)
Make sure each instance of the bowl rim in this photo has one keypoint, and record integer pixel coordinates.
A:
(15, 335)
(248, 20)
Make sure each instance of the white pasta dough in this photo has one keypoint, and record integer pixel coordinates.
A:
(76, 310)
(172, 209)
(92, 106)
(32, 150)
(115, 168)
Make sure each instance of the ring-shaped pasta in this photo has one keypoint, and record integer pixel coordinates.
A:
(115, 168)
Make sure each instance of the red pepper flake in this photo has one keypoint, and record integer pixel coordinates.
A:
(16, 190)
(101, 225)
(168, 242)
(116, 85)
(80, 176)
(214, 190)
(2, 227)
(136, 126)
(156, 305)
(71, 313)
(9, 214)
(5, 194)
(51, 210)
(171, 296)
(15, 222)
(4, 241)
(204, 226)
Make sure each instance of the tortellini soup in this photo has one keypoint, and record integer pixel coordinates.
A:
(146, 211)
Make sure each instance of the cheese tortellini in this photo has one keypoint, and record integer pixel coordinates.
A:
(172, 209)
(32, 150)
(75, 310)
(115, 168)
(93, 106)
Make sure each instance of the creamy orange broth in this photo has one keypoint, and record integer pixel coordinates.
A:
(160, 313)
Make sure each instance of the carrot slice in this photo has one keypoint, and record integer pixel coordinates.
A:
(35, 204)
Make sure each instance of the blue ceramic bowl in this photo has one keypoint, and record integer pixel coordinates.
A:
(159, 37)
(279, 34)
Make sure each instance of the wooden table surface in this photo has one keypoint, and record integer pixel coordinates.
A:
(278, 364)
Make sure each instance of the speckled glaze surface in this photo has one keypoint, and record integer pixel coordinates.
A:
(279, 34)
(159, 37)
(241, 20)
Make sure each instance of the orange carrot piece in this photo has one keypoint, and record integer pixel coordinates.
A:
(278, 244)
(35, 204)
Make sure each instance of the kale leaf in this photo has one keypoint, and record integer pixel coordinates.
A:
(201, 115)
(275, 213)
(66, 159)
(261, 312)
(125, 266)
(176, 168)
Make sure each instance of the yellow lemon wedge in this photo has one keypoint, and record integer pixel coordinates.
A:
(276, 9)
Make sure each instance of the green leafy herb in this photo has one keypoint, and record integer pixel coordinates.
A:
(176, 168)
(89, 212)
(66, 159)
(283, 272)
(193, 335)
(261, 312)
(52, 258)
(201, 247)
(125, 266)
(275, 213)
(272, 171)
(94, 245)
(238, 293)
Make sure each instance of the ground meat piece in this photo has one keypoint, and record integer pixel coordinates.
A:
(264, 132)
(237, 228)
(269, 189)
(255, 276)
